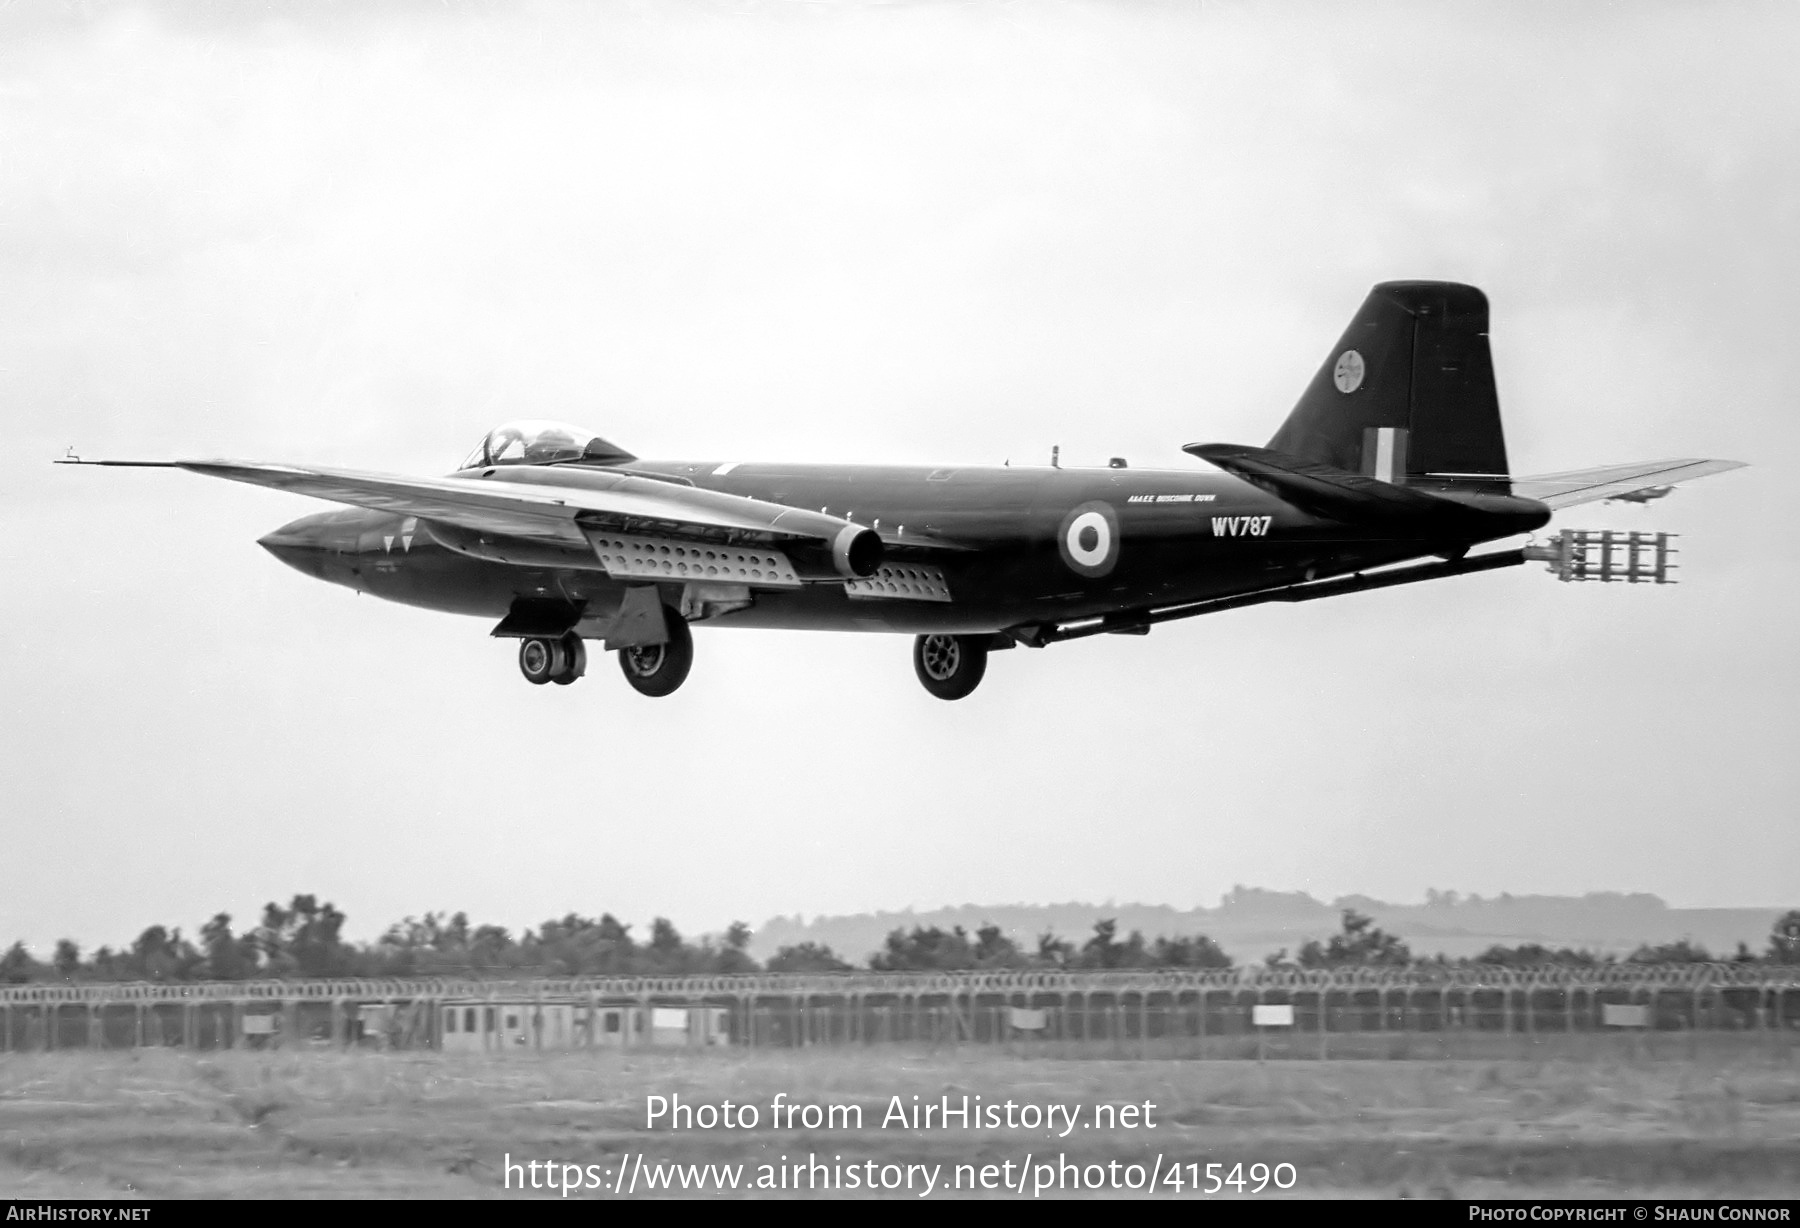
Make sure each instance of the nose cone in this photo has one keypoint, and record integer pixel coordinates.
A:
(302, 544)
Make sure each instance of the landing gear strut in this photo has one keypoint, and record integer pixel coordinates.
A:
(561, 661)
(950, 666)
(658, 669)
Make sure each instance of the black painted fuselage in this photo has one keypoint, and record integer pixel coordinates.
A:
(1004, 539)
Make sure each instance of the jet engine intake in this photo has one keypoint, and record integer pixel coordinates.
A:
(856, 552)
(851, 552)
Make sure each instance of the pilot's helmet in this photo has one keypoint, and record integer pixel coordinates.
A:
(505, 443)
(552, 443)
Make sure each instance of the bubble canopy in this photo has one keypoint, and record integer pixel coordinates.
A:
(540, 441)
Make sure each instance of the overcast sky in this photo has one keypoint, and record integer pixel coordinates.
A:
(883, 232)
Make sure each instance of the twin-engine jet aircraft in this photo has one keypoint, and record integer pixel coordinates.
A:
(1391, 467)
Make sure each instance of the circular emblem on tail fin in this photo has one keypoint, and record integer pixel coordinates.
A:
(1089, 539)
(1348, 373)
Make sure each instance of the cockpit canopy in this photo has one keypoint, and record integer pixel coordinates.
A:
(539, 441)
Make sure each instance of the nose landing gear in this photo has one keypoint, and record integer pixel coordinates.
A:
(561, 661)
(950, 666)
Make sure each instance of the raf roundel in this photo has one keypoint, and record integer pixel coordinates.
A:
(1089, 539)
(1348, 373)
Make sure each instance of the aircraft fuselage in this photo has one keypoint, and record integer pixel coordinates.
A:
(1034, 545)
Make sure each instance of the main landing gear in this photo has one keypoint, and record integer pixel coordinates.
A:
(654, 669)
(657, 669)
(950, 666)
(561, 661)
(651, 669)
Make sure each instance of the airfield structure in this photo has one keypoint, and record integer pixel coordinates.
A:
(863, 1008)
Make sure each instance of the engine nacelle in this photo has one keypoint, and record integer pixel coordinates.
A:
(856, 552)
(853, 554)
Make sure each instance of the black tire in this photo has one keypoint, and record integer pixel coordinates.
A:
(541, 660)
(574, 660)
(659, 669)
(950, 666)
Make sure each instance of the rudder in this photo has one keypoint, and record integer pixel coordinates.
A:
(1408, 392)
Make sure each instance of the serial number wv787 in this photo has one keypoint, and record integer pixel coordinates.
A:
(1242, 526)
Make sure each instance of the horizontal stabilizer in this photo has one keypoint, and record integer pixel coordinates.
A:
(1558, 490)
(1354, 498)
(1321, 489)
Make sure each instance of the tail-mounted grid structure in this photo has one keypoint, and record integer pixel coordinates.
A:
(1607, 556)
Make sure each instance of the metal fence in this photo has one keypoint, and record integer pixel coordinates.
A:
(1162, 1011)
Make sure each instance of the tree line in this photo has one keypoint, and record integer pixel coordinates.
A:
(305, 939)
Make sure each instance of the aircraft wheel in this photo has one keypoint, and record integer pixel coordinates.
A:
(575, 660)
(658, 669)
(950, 666)
(542, 660)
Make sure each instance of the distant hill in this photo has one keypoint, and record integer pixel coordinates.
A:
(1250, 923)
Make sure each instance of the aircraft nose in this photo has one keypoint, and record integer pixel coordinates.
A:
(300, 544)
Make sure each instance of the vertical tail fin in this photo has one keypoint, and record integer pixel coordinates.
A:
(1408, 391)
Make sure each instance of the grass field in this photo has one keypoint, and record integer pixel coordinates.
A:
(312, 1123)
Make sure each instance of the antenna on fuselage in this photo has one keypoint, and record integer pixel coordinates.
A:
(1056, 456)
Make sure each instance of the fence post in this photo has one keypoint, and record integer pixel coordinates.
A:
(1693, 1022)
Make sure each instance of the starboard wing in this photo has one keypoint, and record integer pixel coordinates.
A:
(538, 509)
